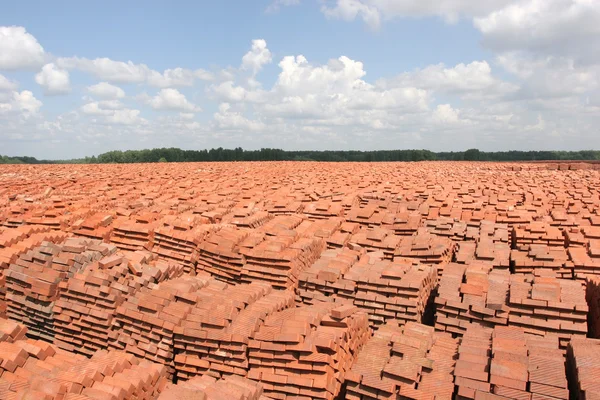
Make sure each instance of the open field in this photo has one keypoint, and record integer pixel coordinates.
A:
(300, 280)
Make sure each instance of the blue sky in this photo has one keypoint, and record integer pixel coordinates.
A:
(81, 78)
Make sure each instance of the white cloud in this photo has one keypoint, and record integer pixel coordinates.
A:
(277, 4)
(129, 72)
(19, 49)
(171, 99)
(349, 10)
(228, 120)
(6, 84)
(106, 91)
(21, 103)
(54, 80)
(125, 117)
(257, 57)
(94, 109)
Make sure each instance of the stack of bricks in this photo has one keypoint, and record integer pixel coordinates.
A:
(11, 331)
(427, 248)
(453, 229)
(408, 362)
(370, 216)
(32, 282)
(277, 254)
(136, 234)
(341, 237)
(96, 226)
(219, 254)
(377, 239)
(592, 296)
(213, 338)
(208, 388)
(144, 324)
(537, 233)
(540, 258)
(178, 242)
(249, 219)
(484, 251)
(387, 290)
(323, 210)
(547, 306)
(471, 294)
(583, 359)
(306, 352)
(88, 301)
(582, 236)
(284, 207)
(406, 224)
(14, 242)
(322, 280)
(585, 260)
(32, 369)
(506, 363)
(324, 228)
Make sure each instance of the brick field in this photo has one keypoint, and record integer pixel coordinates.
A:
(300, 280)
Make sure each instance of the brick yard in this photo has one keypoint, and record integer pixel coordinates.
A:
(300, 280)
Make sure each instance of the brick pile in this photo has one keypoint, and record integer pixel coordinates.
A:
(323, 210)
(484, 251)
(412, 361)
(548, 306)
(377, 239)
(540, 258)
(509, 364)
(306, 352)
(471, 294)
(323, 228)
(386, 290)
(11, 331)
(592, 296)
(249, 219)
(32, 282)
(583, 236)
(537, 233)
(370, 216)
(284, 206)
(583, 359)
(277, 254)
(85, 310)
(219, 254)
(209, 388)
(342, 236)
(179, 242)
(213, 338)
(33, 369)
(144, 323)
(585, 259)
(405, 223)
(96, 226)
(453, 229)
(136, 233)
(427, 248)
(322, 280)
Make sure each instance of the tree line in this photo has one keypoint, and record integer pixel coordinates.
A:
(268, 154)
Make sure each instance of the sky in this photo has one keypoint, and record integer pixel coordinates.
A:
(79, 78)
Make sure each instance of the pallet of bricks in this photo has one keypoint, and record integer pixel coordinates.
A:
(85, 311)
(179, 239)
(213, 338)
(306, 352)
(471, 294)
(144, 324)
(219, 254)
(276, 254)
(490, 245)
(208, 388)
(548, 306)
(33, 369)
(506, 363)
(32, 282)
(583, 361)
(408, 362)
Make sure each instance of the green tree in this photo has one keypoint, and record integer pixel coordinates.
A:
(162, 159)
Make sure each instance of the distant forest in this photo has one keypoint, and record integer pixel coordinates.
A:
(239, 154)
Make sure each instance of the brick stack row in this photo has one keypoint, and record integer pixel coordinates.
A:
(135, 234)
(453, 229)
(213, 338)
(471, 294)
(377, 239)
(32, 282)
(179, 243)
(583, 360)
(249, 219)
(484, 251)
(323, 280)
(342, 236)
(547, 306)
(88, 301)
(529, 259)
(209, 388)
(219, 254)
(537, 233)
(33, 369)
(427, 248)
(306, 352)
(144, 324)
(509, 364)
(97, 226)
(409, 362)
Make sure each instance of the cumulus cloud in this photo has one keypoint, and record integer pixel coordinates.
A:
(106, 91)
(19, 49)
(6, 84)
(54, 80)
(171, 99)
(257, 57)
(125, 117)
(277, 4)
(228, 120)
(21, 103)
